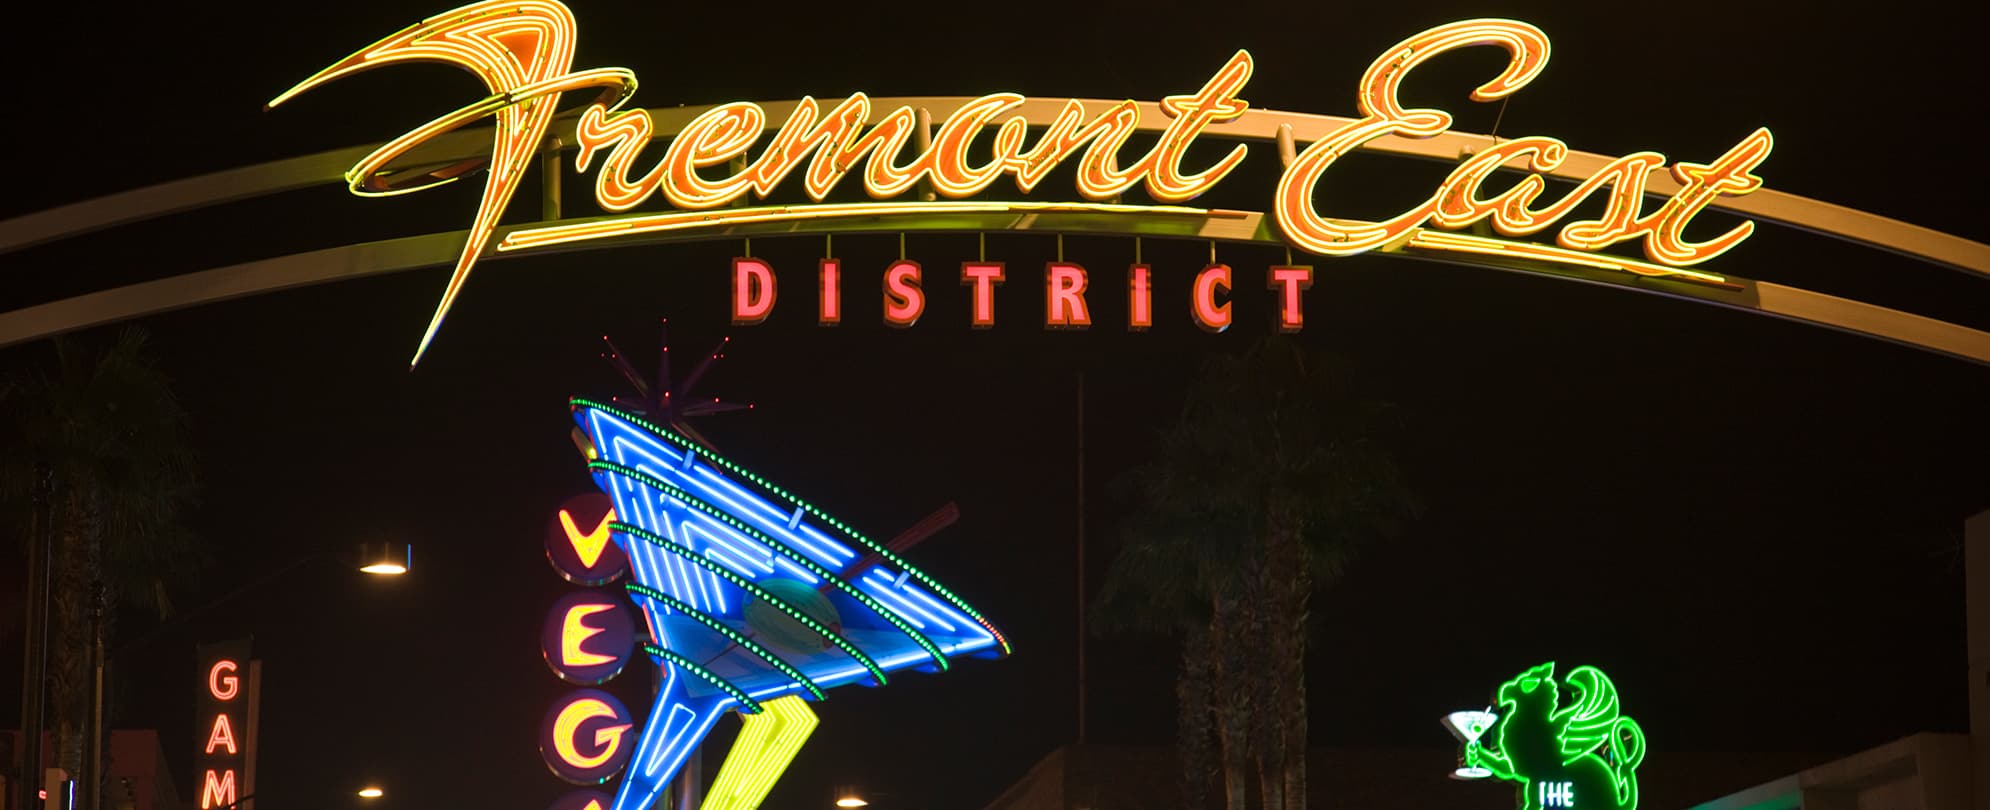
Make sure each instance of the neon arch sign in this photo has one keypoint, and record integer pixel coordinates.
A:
(523, 51)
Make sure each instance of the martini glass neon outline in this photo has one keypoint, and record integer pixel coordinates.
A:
(1468, 726)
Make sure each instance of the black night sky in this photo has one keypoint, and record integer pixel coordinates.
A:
(1753, 525)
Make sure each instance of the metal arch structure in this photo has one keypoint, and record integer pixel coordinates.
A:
(1283, 129)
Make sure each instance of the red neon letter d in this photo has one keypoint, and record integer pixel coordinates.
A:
(753, 291)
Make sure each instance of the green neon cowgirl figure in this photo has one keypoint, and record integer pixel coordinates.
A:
(1582, 755)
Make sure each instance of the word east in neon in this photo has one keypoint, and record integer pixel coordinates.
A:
(1457, 202)
(1065, 284)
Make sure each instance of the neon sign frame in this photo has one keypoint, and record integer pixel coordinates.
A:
(228, 709)
(587, 639)
(1579, 753)
(523, 50)
(458, 149)
(719, 560)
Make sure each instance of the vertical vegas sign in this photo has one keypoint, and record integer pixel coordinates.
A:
(225, 757)
(586, 638)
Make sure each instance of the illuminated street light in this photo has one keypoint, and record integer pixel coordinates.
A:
(374, 558)
(391, 559)
(847, 797)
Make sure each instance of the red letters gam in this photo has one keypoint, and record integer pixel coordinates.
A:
(226, 705)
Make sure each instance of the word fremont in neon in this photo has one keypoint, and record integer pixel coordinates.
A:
(523, 52)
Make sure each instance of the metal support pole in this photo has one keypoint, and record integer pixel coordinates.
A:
(1976, 632)
(34, 642)
(549, 172)
(183, 618)
(737, 167)
(922, 132)
(1081, 554)
(690, 781)
(92, 775)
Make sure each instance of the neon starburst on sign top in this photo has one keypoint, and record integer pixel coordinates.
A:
(665, 399)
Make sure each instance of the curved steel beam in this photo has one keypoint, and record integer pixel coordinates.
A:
(1254, 125)
(1242, 227)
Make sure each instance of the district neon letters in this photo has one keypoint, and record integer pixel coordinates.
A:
(1065, 285)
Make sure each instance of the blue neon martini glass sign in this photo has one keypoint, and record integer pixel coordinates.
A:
(755, 602)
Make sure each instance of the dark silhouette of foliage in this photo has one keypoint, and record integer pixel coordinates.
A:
(1259, 493)
(108, 429)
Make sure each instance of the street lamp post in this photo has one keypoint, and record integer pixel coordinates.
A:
(387, 559)
(378, 559)
(391, 559)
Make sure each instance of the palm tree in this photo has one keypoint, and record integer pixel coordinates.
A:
(112, 439)
(1258, 494)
